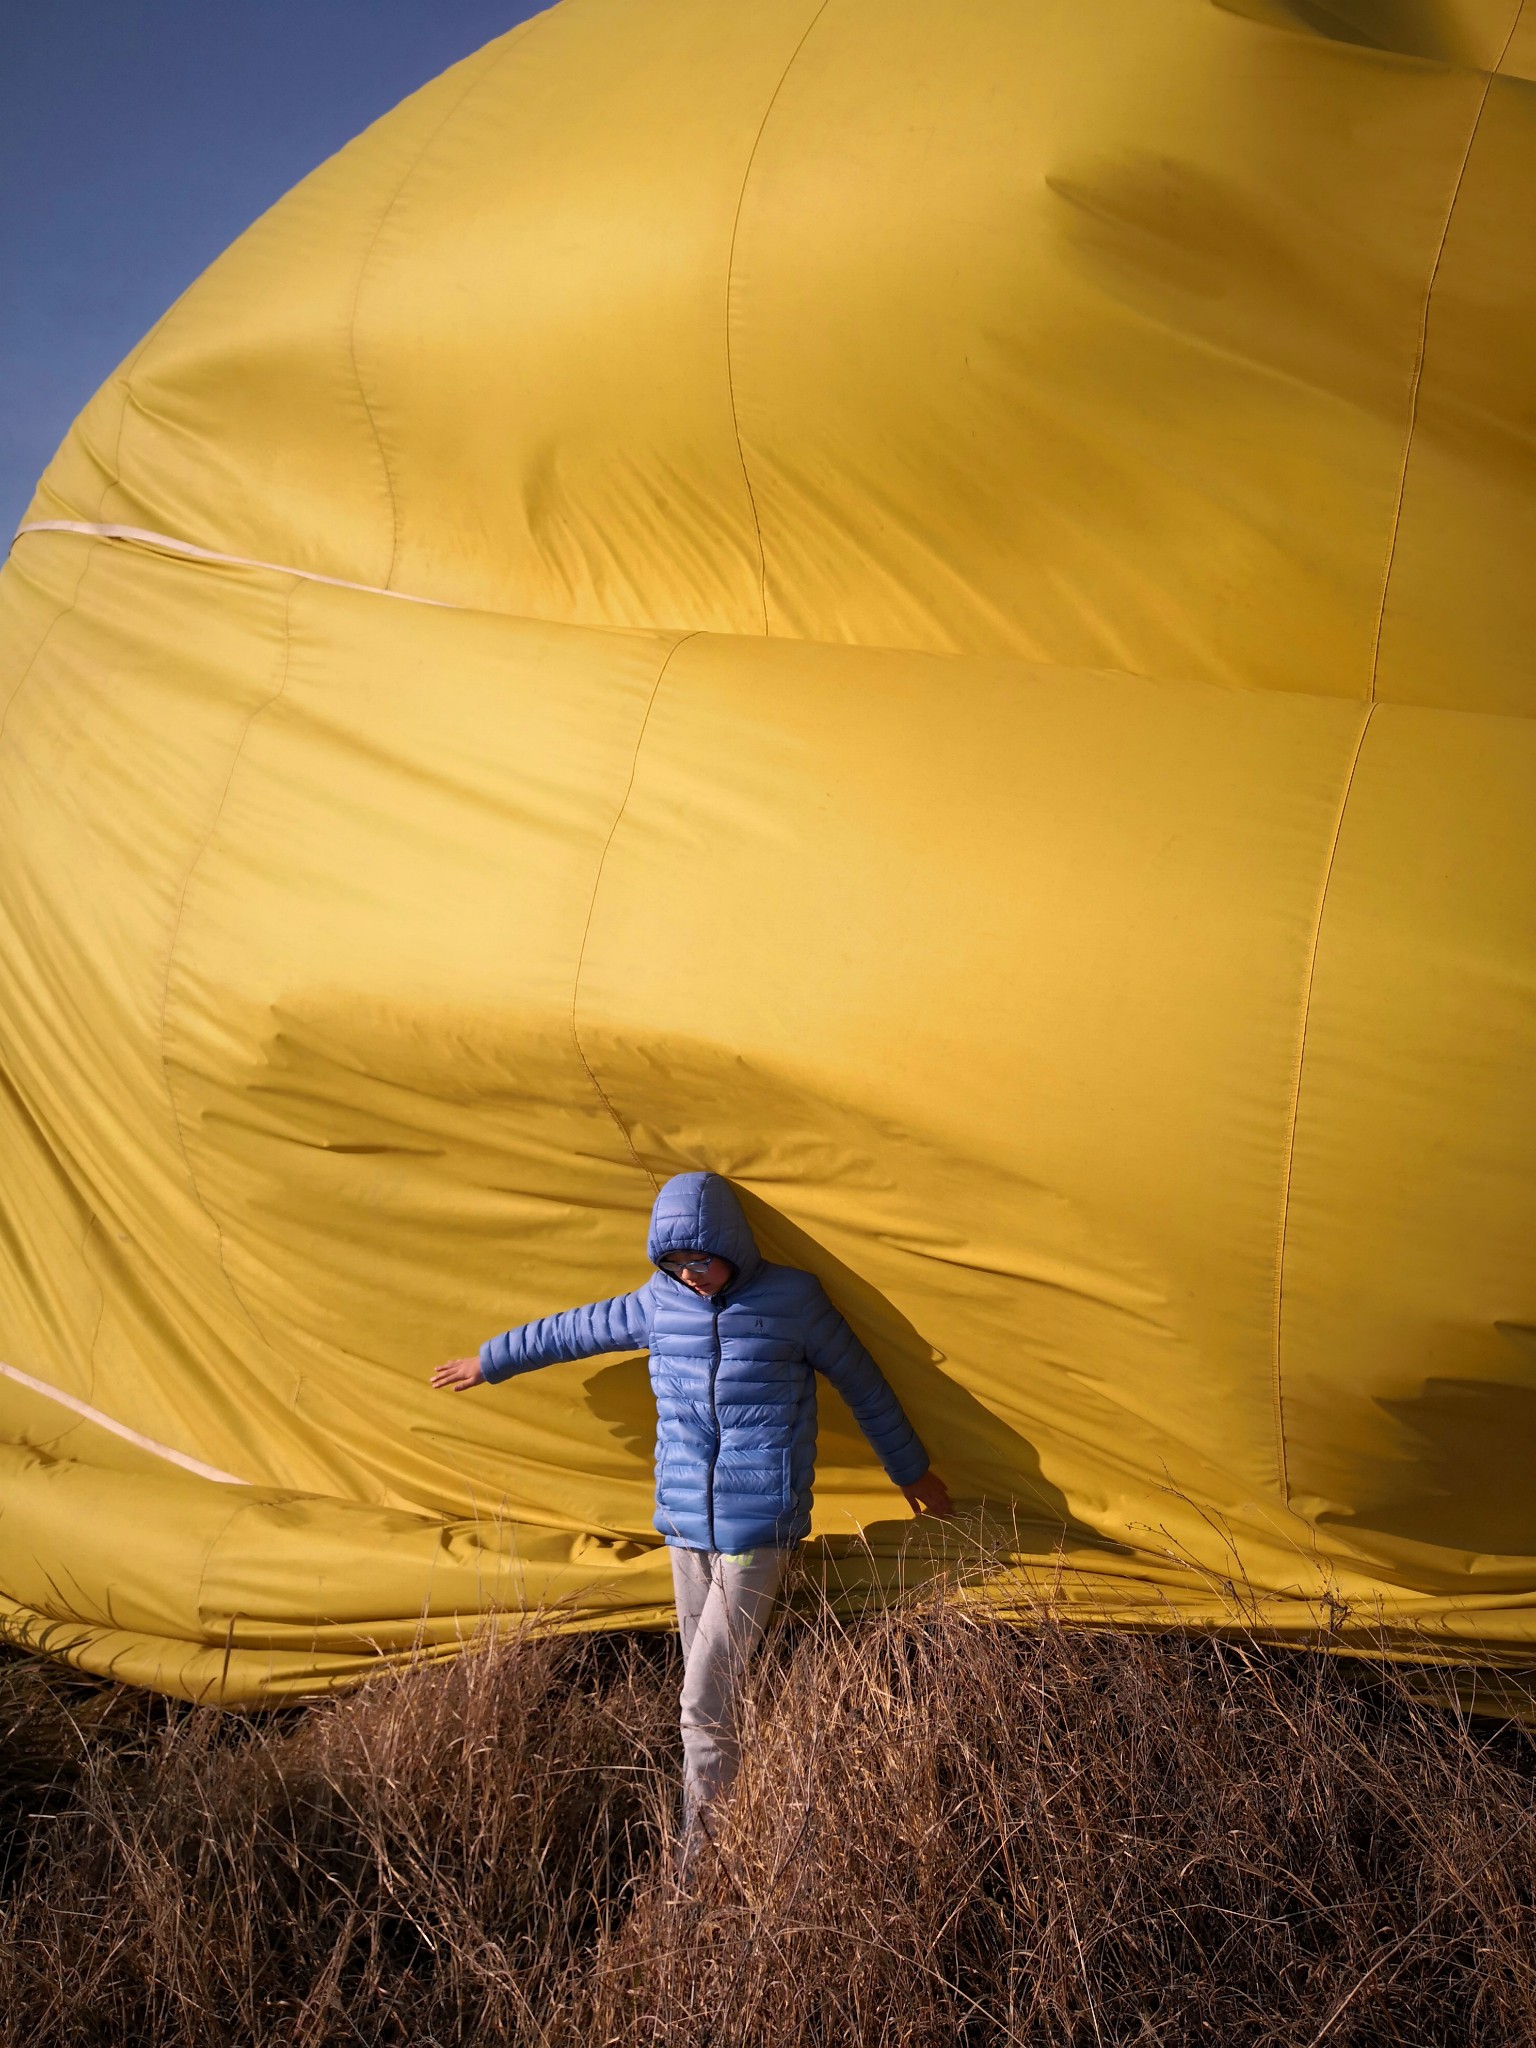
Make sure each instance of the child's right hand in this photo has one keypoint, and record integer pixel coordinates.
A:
(458, 1375)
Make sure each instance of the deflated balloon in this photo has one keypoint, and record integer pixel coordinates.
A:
(927, 607)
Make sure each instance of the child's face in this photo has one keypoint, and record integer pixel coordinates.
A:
(701, 1271)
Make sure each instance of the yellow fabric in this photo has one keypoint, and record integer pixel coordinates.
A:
(984, 691)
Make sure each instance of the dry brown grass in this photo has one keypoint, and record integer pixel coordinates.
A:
(949, 1831)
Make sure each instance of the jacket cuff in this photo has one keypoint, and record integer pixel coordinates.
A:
(906, 1471)
(494, 1367)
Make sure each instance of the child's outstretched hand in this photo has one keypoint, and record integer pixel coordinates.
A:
(929, 1496)
(458, 1375)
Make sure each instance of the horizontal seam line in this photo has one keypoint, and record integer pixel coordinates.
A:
(122, 1429)
(140, 536)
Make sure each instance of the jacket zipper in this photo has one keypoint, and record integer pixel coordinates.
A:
(714, 1420)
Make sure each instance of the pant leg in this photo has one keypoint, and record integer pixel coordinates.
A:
(735, 1613)
(690, 1589)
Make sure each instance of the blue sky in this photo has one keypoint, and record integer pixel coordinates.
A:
(137, 139)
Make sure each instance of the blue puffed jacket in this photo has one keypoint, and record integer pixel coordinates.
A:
(734, 1377)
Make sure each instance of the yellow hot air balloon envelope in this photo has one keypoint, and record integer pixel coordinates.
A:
(929, 606)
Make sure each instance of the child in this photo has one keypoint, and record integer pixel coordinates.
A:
(734, 1346)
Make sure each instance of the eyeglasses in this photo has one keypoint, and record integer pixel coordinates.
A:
(677, 1265)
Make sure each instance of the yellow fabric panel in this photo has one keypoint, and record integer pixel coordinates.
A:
(1410, 1417)
(1125, 344)
(1092, 332)
(1463, 551)
(978, 682)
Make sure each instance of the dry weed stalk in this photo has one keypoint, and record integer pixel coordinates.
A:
(949, 1830)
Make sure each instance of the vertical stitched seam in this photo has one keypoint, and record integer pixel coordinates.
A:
(93, 1228)
(597, 883)
(257, 711)
(1281, 1462)
(1417, 378)
(202, 1585)
(730, 276)
(129, 400)
(428, 142)
(48, 632)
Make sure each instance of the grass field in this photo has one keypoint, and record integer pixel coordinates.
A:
(949, 1831)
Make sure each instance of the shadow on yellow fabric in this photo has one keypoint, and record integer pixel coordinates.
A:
(925, 606)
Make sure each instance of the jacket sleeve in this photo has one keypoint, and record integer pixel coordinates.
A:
(832, 1348)
(620, 1324)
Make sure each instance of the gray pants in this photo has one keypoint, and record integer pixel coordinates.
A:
(723, 1605)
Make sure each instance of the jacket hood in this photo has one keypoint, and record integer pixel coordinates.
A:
(699, 1212)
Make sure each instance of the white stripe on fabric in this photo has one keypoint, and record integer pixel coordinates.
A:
(141, 536)
(132, 1436)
